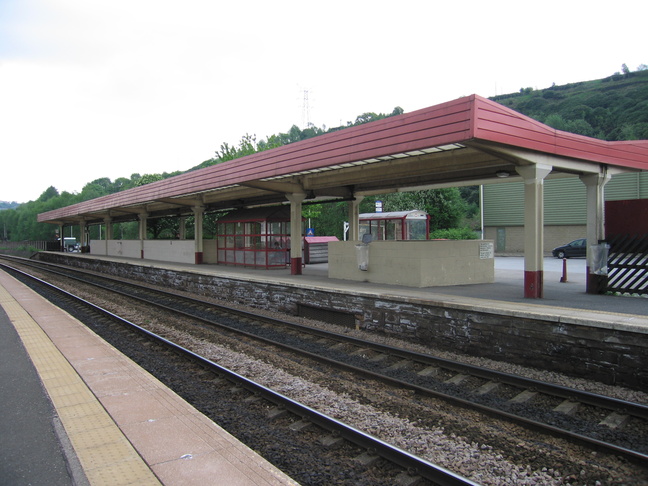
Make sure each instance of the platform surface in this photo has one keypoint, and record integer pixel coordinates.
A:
(103, 420)
(77, 411)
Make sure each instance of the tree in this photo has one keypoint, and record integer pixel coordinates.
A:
(556, 121)
(163, 228)
(148, 178)
(49, 193)
(366, 118)
(625, 70)
(330, 221)
(445, 206)
(247, 146)
(92, 191)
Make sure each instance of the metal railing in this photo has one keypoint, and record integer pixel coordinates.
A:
(28, 244)
(628, 264)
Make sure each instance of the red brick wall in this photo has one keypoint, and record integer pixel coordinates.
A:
(626, 217)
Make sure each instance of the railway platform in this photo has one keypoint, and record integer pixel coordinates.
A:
(564, 299)
(76, 411)
(143, 418)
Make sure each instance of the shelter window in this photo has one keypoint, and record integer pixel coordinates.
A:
(256, 238)
(399, 225)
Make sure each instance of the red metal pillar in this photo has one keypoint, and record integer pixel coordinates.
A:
(296, 266)
(533, 284)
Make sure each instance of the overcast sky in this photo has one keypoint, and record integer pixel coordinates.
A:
(108, 88)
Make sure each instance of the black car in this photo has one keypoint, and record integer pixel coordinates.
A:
(577, 248)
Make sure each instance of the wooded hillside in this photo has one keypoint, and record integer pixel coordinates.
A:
(613, 108)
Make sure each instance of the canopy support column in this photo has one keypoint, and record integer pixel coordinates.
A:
(142, 216)
(595, 229)
(199, 212)
(109, 228)
(296, 232)
(534, 176)
(62, 237)
(354, 218)
(182, 228)
(83, 234)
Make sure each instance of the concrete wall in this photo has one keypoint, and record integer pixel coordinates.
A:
(180, 251)
(416, 263)
(532, 338)
(119, 248)
(99, 247)
(210, 251)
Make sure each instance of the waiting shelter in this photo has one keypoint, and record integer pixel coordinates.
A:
(258, 237)
(395, 225)
(467, 141)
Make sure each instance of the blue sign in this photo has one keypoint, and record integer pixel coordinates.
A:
(310, 231)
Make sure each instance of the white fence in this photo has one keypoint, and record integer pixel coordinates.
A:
(180, 251)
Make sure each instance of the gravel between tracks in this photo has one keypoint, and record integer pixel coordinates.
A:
(478, 461)
(481, 462)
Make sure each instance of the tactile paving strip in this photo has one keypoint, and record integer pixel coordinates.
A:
(106, 456)
(180, 445)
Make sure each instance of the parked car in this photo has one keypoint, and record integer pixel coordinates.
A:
(576, 248)
(70, 244)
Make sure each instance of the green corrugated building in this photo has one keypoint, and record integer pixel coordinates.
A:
(564, 209)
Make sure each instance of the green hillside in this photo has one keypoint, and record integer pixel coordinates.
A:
(613, 108)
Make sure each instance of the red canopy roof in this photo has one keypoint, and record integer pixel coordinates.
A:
(461, 140)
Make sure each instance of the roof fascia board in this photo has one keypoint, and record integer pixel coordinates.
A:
(277, 187)
(182, 201)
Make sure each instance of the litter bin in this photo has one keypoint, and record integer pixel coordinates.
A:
(597, 280)
(599, 258)
(362, 256)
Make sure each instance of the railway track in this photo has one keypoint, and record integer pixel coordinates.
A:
(414, 469)
(598, 421)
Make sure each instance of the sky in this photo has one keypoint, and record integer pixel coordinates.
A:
(108, 88)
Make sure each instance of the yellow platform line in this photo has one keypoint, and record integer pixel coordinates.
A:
(106, 456)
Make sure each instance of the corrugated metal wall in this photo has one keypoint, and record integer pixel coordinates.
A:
(627, 186)
(565, 202)
(504, 204)
(564, 199)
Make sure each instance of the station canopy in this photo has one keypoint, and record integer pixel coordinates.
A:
(467, 141)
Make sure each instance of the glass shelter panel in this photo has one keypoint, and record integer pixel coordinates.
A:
(399, 225)
(254, 242)
(417, 229)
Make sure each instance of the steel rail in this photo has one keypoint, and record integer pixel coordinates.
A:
(584, 397)
(413, 464)
(610, 403)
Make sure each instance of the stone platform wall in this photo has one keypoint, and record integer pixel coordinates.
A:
(588, 351)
